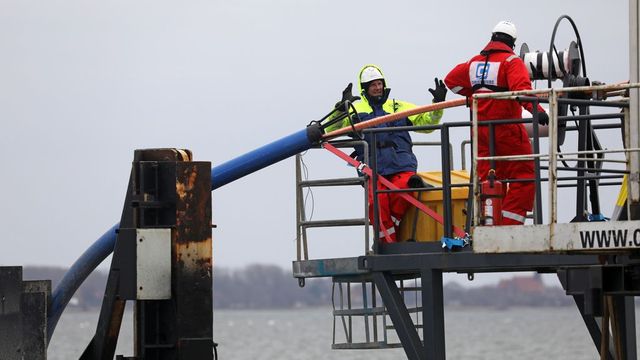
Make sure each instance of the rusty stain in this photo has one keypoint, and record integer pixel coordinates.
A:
(194, 204)
(194, 255)
(116, 319)
(184, 189)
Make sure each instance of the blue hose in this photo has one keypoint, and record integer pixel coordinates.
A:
(220, 176)
(76, 275)
(259, 158)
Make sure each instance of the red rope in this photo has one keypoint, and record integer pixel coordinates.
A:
(362, 167)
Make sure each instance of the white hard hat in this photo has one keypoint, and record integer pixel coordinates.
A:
(370, 73)
(506, 27)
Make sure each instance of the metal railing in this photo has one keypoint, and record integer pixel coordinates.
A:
(589, 158)
(359, 310)
(446, 166)
(302, 223)
(589, 172)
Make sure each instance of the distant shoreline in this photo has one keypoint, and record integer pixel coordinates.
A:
(257, 287)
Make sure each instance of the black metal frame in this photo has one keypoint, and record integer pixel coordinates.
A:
(165, 190)
(23, 315)
(590, 174)
(587, 278)
(582, 276)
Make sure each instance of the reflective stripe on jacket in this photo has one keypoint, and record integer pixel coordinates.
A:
(394, 149)
(499, 69)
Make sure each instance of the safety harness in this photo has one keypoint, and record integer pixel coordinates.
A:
(493, 88)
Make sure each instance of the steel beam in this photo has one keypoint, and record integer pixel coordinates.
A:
(470, 262)
(633, 128)
(433, 314)
(625, 306)
(35, 300)
(326, 268)
(103, 343)
(23, 315)
(592, 323)
(399, 316)
(10, 312)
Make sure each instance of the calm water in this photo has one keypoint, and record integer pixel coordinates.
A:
(522, 333)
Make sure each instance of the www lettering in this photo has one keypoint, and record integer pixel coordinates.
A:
(608, 238)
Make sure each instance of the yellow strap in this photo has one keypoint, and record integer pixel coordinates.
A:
(622, 196)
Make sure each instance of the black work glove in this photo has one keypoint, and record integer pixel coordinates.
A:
(440, 92)
(347, 96)
(543, 118)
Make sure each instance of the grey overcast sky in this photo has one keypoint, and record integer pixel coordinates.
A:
(84, 83)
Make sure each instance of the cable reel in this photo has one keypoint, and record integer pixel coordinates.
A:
(567, 66)
(564, 62)
(562, 65)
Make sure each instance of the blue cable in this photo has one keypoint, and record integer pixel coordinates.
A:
(220, 175)
(76, 275)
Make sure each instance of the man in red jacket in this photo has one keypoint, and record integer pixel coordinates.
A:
(497, 68)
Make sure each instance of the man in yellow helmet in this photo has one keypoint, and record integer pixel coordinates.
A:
(395, 158)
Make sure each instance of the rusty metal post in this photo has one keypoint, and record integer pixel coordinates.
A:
(162, 260)
(177, 194)
(193, 262)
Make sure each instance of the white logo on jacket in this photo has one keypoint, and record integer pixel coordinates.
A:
(478, 70)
